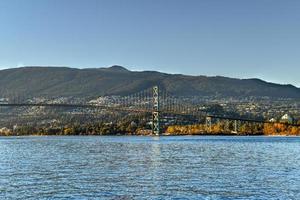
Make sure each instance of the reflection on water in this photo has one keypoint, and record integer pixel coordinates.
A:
(149, 168)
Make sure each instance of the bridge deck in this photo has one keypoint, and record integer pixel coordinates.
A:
(128, 109)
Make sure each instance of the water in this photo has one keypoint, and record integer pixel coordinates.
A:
(131, 167)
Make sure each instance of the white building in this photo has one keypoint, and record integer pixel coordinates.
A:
(287, 118)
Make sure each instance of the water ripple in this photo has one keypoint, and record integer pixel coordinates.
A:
(124, 168)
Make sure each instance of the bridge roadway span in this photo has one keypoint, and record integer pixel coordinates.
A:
(128, 109)
(249, 120)
(73, 106)
(113, 108)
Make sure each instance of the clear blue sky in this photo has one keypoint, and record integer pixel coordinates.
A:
(236, 38)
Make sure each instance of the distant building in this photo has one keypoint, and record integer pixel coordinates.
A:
(3, 100)
(287, 118)
(15, 127)
(133, 124)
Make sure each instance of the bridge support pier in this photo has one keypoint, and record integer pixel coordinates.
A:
(226, 127)
(235, 126)
(208, 124)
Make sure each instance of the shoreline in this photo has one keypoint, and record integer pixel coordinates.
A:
(163, 135)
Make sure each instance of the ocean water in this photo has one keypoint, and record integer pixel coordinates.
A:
(129, 167)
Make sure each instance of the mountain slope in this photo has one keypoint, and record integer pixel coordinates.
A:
(116, 80)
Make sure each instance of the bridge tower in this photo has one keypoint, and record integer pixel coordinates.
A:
(155, 112)
(208, 124)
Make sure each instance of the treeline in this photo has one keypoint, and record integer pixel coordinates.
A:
(243, 129)
(281, 129)
(137, 127)
(124, 128)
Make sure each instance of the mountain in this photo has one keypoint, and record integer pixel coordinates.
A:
(117, 80)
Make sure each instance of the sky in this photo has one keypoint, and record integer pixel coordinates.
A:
(235, 38)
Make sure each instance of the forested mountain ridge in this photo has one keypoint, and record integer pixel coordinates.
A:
(117, 80)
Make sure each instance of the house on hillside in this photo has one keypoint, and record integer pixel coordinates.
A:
(286, 118)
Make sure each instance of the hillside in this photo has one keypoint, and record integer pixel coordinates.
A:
(116, 80)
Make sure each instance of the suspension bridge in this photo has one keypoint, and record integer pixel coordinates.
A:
(151, 101)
